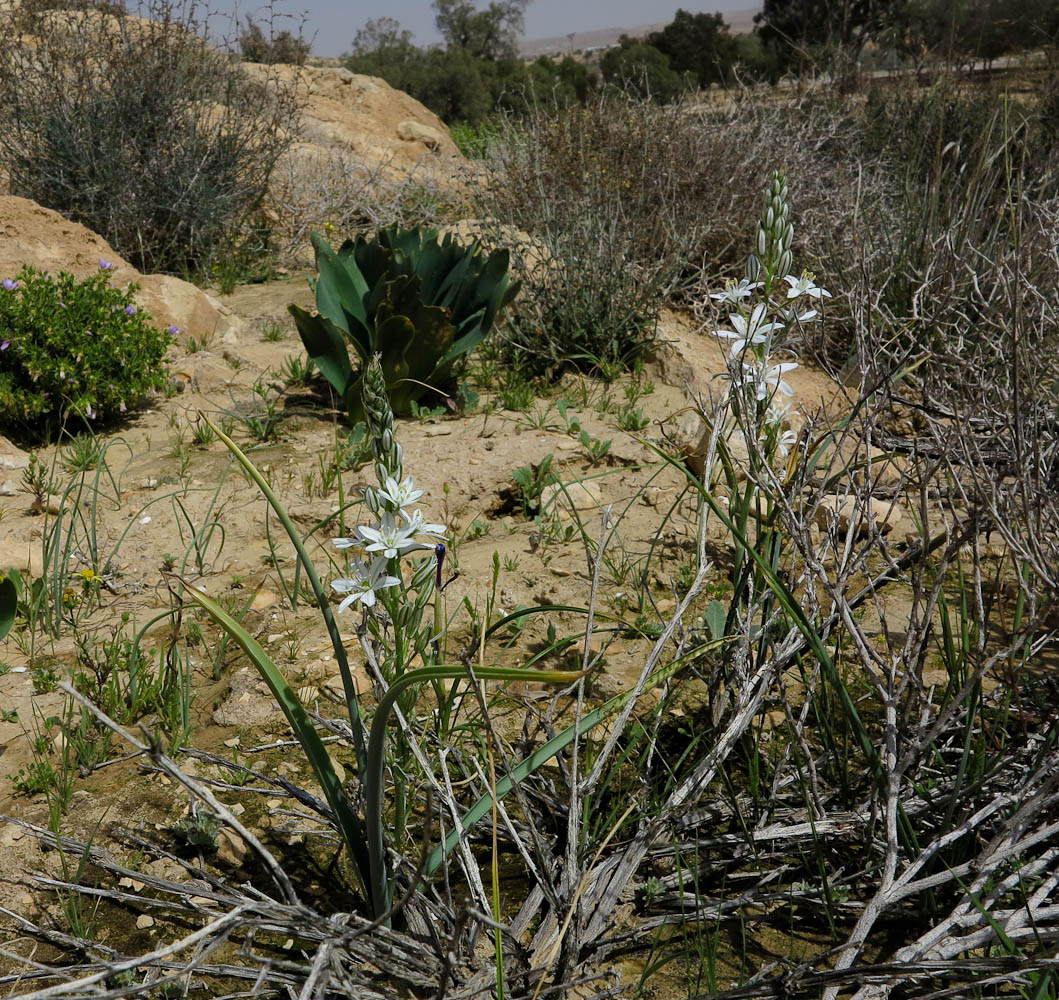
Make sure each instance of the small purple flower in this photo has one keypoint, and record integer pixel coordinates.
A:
(130, 310)
(47, 394)
(9, 284)
(173, 330)
(62, 305)
(105, 265)
(4, 345)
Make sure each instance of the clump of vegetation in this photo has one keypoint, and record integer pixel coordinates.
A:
(138, 129)
(621, 198)
(421, 304)
(73, 352)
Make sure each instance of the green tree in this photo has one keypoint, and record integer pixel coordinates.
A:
(381, 34)
(492, 33)
(805, 31)
(699, 44)
(642, 70)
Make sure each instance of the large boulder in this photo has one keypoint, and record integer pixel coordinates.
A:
(31, 234)
(363, 149)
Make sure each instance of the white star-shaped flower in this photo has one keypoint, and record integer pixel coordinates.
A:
(388, 537)
(748, 331)
(768, 379)
(804, 286)
(400, 495)
(734, 293)
(367, 579)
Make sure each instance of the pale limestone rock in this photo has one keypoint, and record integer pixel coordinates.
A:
(413, 131)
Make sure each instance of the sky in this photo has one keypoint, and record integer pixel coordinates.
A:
(335, 22)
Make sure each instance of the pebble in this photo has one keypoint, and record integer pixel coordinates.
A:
(231, 848)
(144, 920)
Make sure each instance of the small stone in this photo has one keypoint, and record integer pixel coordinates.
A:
(130, 883)
(143, 921)
(844, 511)
(308, 694)
(413, 131)
(437, 430)
(12, 458)
(559, 571)
(580, 496)
(340, 771)
(148, 484)
(665, 605)
(651, 496)
(263, 600)
(231, 848)
(233, 742)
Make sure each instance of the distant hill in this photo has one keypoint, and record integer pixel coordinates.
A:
(740, 21)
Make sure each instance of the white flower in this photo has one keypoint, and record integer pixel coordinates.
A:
(400, 495)
(768, 379)
(748, 331)
(387, 537)
(785, 440)
(391, 538)
(366, 580)
(418, 526)
(804, 286)
(734, 294)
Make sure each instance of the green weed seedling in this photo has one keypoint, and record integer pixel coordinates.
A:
(426, 414)
(631, 419)
(595, 449)
(531, 480)
(198, 829)
(296, 371)
(196, 345)
(516, 394)
(272, 332)
(571, 421)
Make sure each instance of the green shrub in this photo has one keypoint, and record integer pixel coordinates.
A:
(136, 128)
(420, 303)
(73, 351)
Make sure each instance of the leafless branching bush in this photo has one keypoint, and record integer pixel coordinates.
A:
(331, 193)
(133, 125)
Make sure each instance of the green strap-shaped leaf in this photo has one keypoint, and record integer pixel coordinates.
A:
(554, 746)
(341, 288)
(8, 601)
(326, 346)
(350, 825)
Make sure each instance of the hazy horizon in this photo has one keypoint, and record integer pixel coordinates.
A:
(331, 24)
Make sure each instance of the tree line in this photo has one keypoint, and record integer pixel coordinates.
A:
(477, 70)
